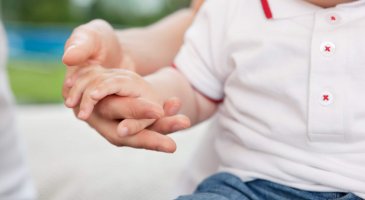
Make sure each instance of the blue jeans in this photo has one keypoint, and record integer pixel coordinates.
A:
(225, 186)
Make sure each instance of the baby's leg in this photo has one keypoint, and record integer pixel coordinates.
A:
(225, 186)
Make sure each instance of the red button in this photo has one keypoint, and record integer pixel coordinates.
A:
(327, 48)
(333, 18)
(326, 98)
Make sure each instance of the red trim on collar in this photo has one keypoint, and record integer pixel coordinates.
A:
(267, 9)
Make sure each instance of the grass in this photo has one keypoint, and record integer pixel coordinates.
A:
(36, 81)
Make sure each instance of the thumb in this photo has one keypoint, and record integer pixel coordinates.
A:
(80, 47)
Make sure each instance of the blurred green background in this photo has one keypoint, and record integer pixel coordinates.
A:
(37, 30)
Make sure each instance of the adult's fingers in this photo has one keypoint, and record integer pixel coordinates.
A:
(116, 107)
(171, 122)
(146, 139)
(167, 125)
(133, 126)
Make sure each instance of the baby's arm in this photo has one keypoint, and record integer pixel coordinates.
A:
(169, 82)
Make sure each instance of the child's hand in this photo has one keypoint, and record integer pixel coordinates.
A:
(91, 84)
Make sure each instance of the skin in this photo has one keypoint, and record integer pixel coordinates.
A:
(328, 3)
(96, 43)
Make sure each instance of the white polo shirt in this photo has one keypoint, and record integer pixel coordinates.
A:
(15, 182)
(292, 76)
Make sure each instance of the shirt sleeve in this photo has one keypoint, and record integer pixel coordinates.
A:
(201, 55)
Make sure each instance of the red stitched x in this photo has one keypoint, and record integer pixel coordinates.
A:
(333, 18)
(327, 48)
(326, 98)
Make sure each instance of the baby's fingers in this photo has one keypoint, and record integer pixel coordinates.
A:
(146, 139)
(119, 85)
(86, 106)
(81, 80)
(98, 90)
(75, 93)
(133, 126)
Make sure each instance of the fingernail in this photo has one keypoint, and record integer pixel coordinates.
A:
(122, 131)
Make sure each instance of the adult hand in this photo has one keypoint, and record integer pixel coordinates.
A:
(110, 111)
(95, 43)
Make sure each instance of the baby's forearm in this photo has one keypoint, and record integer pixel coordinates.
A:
(171, 83)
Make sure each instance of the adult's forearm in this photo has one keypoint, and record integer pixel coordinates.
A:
(155, 46)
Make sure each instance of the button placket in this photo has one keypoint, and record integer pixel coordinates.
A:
(325, 109)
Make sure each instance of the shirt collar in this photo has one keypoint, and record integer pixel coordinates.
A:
(280, 9)
(290, 8)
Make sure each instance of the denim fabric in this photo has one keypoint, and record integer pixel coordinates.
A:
(225, 186)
